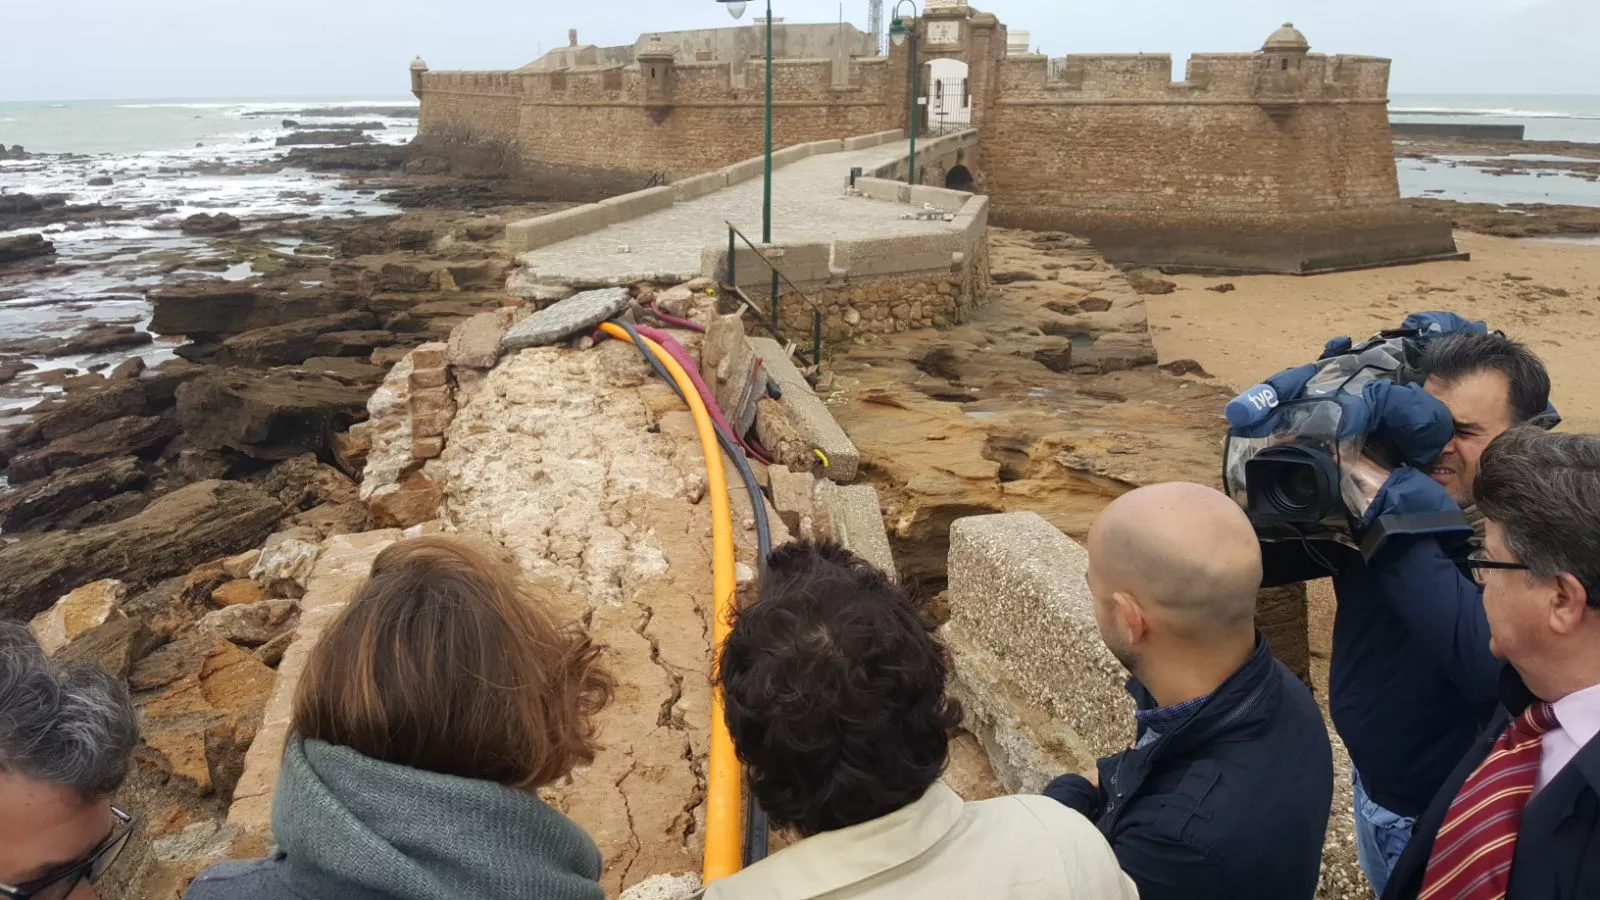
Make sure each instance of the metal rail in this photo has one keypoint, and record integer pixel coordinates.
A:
(772, 322)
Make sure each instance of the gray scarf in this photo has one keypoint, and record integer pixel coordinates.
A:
(353, 827)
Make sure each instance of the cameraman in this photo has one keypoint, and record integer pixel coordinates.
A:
(1411, 681)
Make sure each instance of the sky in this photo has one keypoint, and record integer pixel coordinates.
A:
(122, 49)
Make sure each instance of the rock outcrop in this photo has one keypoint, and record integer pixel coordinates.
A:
(173, 534)
(280, 415)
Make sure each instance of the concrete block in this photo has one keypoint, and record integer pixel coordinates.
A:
(868, 141)
(942, 199)
(750, 168)
(856, 519)
(808, 414)
(884, 189)
(542, 231)
(1043, 693)
(700, 185)
(791, 495)
(733, 370)
(789, 155)
(640, 203)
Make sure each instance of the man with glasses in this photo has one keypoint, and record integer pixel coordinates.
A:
(66, 735)
(1519, 818)
(1411, 680)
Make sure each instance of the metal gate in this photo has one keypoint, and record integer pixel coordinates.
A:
(949, 106)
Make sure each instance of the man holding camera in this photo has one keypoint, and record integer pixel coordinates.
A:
(1411, 680)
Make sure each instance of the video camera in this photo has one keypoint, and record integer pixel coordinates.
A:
(1310, 448)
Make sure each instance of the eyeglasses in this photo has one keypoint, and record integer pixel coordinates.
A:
(60, 884)
(1477, 562)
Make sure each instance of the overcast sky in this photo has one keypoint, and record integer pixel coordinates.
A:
(114, 49)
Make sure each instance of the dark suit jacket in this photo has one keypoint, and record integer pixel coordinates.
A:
(1558, 846)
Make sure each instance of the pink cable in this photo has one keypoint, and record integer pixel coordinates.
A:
(692, 367)
(676, 322)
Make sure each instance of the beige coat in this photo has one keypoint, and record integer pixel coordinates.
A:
(1008, 847)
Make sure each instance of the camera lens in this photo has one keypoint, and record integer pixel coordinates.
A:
(1296, 489)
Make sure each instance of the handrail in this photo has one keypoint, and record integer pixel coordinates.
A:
(774, 325)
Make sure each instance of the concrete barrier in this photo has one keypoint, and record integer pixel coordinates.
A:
(868, 141)
(640, 203)
(808, 414)
(942, 199)
(884, 189)
(1041, 691)
(541, 231)
(855, 520)
(750, 168)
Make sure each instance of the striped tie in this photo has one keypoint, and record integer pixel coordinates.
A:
(1472, 855)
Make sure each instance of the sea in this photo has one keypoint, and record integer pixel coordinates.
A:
(164, 154)
(1545, 117)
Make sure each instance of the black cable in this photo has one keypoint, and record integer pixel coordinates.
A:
(755, 818)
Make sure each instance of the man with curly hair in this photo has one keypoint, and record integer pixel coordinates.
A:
(835, 698)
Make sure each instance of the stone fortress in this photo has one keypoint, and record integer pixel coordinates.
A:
(1279, 160)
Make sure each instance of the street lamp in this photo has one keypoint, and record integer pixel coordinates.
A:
(899, 30)
(736, 9)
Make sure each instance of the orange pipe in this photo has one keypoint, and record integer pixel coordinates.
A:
(724, 808)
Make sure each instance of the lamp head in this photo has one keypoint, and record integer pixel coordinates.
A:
(898, 31)
(735, 7)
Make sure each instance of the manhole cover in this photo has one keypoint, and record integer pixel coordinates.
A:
(571, 316)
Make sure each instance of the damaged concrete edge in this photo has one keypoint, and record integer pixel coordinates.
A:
(808, 413)
(553, 228)
(1042, 692)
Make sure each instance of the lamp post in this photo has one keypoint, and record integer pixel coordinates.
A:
(736, 9)
(899, 30)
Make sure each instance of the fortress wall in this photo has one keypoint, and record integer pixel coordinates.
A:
(1243, 166)
(585, 133)
(471, 118)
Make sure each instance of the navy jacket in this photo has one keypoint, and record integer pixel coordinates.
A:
(1558, 845)
(1231, 805)
(1411, 681)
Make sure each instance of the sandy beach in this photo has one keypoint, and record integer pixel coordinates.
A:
(1543, 292)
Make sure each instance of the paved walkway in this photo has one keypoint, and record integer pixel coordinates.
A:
(809, 205)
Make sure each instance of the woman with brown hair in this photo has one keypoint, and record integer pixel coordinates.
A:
(429, 714)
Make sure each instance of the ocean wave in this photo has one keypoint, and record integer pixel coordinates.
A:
(1493, 113)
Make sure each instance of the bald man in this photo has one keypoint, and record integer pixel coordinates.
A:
(1226, 791)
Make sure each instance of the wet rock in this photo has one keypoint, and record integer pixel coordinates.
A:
(345, 370)
(91, 340)
(16, 152)
(175, 533)
(115, 646)
(48, 503)
(304, 482)
(11, 368)
(277, 415)
(351, 343)
(220, 308)
(91, 605)
(406, 277)
(1185, 367)
(278, 345)
(379, 157)
(130, 368)
(1145, 283)
(100, 181)
(25, 246)
(204, 224)
(253, 624)
(1223, 288)
(328, 138)
(124, 436)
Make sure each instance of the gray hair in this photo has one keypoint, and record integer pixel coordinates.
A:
(1542, 489)
(72, 726)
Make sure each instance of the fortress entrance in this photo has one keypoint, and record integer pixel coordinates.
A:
(949, 97)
